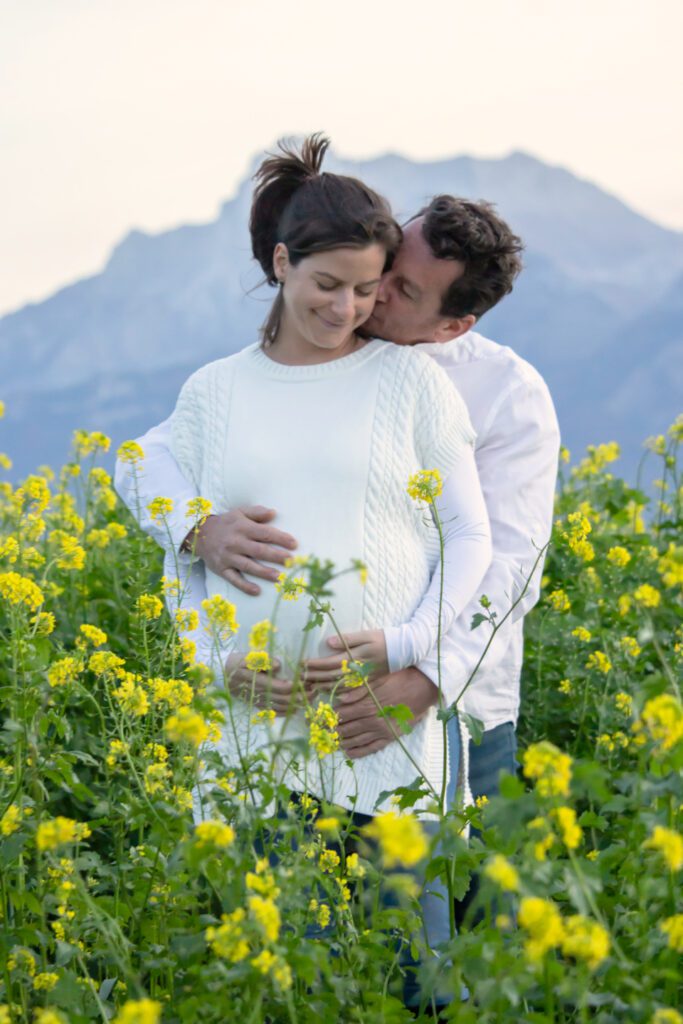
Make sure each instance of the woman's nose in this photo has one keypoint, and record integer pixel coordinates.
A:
(343, 304)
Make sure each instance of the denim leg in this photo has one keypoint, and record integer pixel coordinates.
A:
(496, 753)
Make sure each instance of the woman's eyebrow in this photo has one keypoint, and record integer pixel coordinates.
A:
(331, 277)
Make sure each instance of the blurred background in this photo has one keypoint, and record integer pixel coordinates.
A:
(130, 131)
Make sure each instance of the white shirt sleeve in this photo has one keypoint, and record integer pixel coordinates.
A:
(158, 475)
(467, 554)
(517, 463)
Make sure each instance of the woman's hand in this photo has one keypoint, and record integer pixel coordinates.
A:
(367, 646)
(261, 688)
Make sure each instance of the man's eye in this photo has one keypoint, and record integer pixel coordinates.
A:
(406, 293)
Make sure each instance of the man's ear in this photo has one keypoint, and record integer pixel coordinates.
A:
(450, 329)
(280, 261)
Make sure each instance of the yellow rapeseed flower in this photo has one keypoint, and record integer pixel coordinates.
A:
(542, 921)
(93, 634)
(266, 915)
(501, 871)
(401, 838)
(221, 617)
(583, 634)
(149, 606)
(139, 1011)
(227, 940)
(599, 661)
(666, 1016)
(54, 833)
(18, 590)
(559, 601)
(45, 981)
(260, 634)
(647, 596)
(131, 696)
(214, 833)
(290, 587)
(551, 769)
(662, 718)
(425, 485)
(130, 452)
(186, 619)
(11, 820)
(323, 735)
(673, 929)
(258, 661)
(159, 508)
(569, 829)
(630, 646)
(198, 509)
(186, 726)
(585, 940)
(63, 672)
(618, 556)
(669, 844)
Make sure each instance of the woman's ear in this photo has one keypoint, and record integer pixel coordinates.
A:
(280, 262)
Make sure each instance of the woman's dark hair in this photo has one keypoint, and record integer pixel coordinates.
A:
(311, 211)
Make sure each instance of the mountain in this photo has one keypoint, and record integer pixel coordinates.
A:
(598, 310)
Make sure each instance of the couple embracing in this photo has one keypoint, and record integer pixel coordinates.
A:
(368, 371)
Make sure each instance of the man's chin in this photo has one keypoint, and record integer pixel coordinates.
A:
(375, 329)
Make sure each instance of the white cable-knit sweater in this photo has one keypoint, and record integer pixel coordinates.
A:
(330, 446)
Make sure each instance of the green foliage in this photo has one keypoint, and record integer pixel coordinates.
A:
(115, 905)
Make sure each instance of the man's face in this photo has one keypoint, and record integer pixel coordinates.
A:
(409, 296)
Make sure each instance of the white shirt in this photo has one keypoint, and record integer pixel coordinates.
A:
(516, 454)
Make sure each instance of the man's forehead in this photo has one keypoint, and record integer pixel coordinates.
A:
(418, 264)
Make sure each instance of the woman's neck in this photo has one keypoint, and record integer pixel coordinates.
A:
(290, 349)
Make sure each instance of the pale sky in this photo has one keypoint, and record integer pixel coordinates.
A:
(117, 114)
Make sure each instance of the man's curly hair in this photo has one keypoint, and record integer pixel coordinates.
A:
(458, 229)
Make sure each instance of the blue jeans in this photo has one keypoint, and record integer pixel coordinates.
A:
(496, 753)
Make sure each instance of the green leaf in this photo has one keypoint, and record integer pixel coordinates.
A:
(400, 713)
(475, 727)
(477, 620)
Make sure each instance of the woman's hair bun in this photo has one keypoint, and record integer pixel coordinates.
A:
(277, 179)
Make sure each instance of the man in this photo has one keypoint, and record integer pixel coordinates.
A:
(458, 259)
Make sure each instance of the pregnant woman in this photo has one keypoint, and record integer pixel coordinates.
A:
(327, 427)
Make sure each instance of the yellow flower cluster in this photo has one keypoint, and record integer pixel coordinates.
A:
(70, 555)
(630, 646)
(266, 914)
(402, 840)
(258, 661)
(139, 1011)
(131, 696)
(198, 509)
(260, 635)
(425, 485)
(227, 940)
(559, 601)
(667, 843)
(18, 590)
(570, 830)
(63, 672)
(599, 661)
(149, 606)
(130, 452)
(585, 940)
(542, 921)
(618, 556)
(280, 971)
(598, 457)
(186, 619)
(54, 833)
(670, 566)
(323, 735)
(186, 726)
(503, 873)
(662, 719)
(221, 617)
(583, 634)
(159, 508)
(352, 673)
(673, 929)
(647, 596)
(93, 635)
(85, 443)
(290, 587)
(549, 767)
(214, 833)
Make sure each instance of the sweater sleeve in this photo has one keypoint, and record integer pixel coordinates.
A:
(444, 440)
(188, 427)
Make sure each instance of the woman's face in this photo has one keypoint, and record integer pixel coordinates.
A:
(328, 295)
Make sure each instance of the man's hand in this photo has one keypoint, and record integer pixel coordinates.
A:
(238, 542)
(260, 687)
(360, 730)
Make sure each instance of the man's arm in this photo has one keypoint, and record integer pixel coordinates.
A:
(231, 544)
(517, 464)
